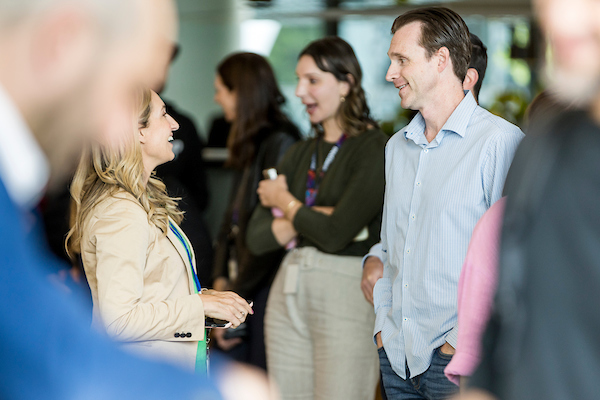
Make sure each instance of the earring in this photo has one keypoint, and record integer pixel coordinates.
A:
(342, 99)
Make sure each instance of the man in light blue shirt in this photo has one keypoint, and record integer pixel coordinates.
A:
(372, 263)
(443, 171)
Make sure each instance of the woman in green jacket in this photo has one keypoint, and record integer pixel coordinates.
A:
(329, 193)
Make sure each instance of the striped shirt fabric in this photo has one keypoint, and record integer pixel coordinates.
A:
(435, 194)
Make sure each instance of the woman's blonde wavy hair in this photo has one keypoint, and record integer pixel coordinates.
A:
(104, 170)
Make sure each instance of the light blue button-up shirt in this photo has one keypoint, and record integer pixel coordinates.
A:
(435, 194)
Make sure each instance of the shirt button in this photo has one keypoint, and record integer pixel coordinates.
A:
(418, 183)
(413, 216)
(426, 150)
(408, 251)
(406, 319)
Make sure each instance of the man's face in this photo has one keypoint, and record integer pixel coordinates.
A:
(573, 30)
(410, 70)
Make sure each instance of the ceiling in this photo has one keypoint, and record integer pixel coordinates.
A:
(214, 11)
(336, 9)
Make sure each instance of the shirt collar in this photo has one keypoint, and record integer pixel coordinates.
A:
(459, 119)
(457, 123)
(415, 130)
(24, 169)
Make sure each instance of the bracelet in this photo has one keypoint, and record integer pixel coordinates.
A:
(291, 205)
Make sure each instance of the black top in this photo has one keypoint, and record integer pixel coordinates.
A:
(185, 177)
(254, 272)
(543, 338)
(353, 184)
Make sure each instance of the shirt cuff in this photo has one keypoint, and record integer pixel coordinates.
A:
(462, 364)
(379, 322)
(381, 305)
(452, 336)
(374, 251)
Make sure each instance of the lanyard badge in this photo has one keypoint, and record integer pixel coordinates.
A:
(312, 183)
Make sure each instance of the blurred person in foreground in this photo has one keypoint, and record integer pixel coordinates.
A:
(443, 171)
(372, 262)
(247, 91)
(542, 339)
(476, 288)
(66, 72)
(330, 189)
(140, 265)
(66, 69)
(479, 275)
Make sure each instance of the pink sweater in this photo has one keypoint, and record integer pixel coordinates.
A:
(476, 289)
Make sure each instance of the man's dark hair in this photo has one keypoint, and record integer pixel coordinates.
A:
(478, 61)
(441, 27)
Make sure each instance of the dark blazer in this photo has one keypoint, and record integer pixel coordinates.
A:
(254, 272)
(542, 338)
(48, 350)
(185, 177)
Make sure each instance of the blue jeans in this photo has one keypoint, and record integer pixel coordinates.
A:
(430, 385)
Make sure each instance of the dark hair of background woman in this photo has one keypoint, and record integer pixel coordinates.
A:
(259, 102)
(334, 55)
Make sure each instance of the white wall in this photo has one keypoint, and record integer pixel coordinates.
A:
(209, 30)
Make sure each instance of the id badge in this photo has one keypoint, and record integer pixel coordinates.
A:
(290, 284)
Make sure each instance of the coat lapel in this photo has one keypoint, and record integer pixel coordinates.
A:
(183, 254)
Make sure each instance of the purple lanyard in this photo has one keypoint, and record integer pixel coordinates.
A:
(312, 184)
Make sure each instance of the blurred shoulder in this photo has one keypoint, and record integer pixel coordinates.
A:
(301, 146)
(492, 125)
(374, 136)
(284, 133)
(286, 129)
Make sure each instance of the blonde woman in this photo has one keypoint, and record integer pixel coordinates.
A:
(139, 264)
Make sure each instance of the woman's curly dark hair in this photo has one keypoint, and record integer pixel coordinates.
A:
(334, 55)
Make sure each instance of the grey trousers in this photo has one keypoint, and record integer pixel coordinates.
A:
(319, 329)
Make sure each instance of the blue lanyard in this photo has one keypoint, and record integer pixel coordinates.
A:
(202, 350)
(186, 245)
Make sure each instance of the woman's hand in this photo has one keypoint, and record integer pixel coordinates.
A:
(283, 230)
(225, 305)
(269, 190)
